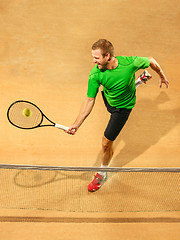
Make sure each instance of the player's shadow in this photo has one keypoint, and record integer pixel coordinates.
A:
(147, 124)
(39, 178)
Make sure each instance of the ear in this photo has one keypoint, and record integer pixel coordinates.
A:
(108, 56)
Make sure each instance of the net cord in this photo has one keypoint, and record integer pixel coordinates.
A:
(86, 169)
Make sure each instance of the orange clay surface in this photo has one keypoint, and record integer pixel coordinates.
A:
(45, 57)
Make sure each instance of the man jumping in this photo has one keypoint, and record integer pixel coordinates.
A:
(117, 76)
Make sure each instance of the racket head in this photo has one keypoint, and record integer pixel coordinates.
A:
(17, 118)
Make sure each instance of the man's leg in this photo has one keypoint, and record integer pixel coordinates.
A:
(107, 153)
(116, 123)
(100, 177)
(143, 78)
(107, 149)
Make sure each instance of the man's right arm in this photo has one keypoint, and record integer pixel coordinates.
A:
(85, 110)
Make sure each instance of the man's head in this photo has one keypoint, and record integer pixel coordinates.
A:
(102, 52)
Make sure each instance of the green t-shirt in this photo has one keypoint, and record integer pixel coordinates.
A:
(119, 83)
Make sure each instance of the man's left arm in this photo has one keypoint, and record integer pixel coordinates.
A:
(156, 67)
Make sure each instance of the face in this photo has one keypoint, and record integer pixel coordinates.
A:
(98, 59)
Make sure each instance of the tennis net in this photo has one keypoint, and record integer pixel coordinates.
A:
(65, 189)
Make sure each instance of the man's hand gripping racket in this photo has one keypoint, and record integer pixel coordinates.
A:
(72, 129)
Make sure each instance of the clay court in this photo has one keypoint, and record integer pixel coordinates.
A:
(45, 58)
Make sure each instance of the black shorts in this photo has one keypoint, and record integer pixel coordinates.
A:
(118, 118)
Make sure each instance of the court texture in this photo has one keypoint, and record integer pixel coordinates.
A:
(45, 58)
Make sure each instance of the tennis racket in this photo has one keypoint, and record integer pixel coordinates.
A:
(27, 115)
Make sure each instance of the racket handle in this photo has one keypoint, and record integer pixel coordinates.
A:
(61, 127)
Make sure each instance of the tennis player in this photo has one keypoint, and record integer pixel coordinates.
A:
(117, 76)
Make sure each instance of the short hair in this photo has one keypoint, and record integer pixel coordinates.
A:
(105, 46)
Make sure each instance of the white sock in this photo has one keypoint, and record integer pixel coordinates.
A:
(103, 173)
(138, 82)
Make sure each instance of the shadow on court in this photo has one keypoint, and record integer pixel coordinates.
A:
(147, 124)
(39, 178)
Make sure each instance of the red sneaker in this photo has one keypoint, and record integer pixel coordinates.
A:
(97, 182)
(145, 76)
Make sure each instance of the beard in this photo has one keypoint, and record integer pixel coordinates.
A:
(102, 65)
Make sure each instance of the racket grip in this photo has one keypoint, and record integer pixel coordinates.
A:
(61, 127)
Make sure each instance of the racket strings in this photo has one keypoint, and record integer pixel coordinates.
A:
(17, 115)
